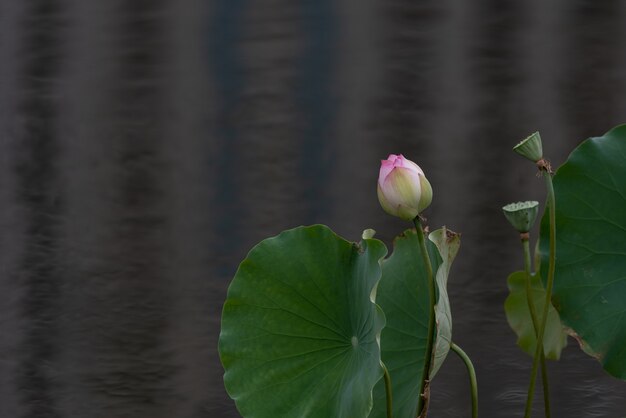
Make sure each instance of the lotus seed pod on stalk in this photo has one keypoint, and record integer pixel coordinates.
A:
(530, 148)
(521, 215)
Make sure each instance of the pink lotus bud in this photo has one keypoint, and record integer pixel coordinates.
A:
(403, 190)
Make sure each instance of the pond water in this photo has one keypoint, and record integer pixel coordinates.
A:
(146, 146)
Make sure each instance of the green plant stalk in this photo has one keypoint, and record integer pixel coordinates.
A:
(550, 284)
(430, 339)
(533, 316)
(472, 376)
(387, 390)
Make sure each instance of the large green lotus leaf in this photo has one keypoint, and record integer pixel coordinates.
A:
(300, 330)
(590, 279)
(403, 295)
(518, 316)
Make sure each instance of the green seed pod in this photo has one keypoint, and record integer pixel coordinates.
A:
(521, 215)
(368, 233)
(530, 148)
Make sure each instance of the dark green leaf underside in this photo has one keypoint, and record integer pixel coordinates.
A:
(403, 295)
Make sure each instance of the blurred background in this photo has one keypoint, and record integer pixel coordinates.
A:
(147, 145)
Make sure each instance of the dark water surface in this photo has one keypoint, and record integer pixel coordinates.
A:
(147, 145)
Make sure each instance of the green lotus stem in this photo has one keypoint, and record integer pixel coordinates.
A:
(387, 390)
(533, 316)
(472, 376)
(430, 338)
(550, 284)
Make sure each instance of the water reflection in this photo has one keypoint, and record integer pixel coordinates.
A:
(147, 146)
(38, 194)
